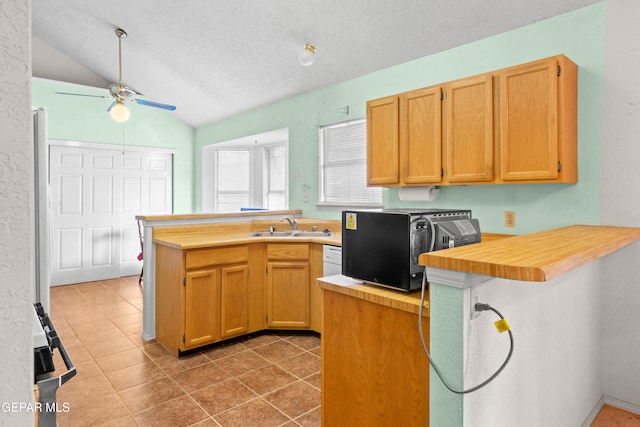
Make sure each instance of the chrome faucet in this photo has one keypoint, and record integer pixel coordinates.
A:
(293, 223)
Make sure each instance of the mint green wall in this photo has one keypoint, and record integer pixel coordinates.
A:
(77, 118)
(579, 35)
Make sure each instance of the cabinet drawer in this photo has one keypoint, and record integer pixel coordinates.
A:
(288, 251)
(217, 256)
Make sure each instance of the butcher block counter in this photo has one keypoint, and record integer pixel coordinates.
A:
(534, 257)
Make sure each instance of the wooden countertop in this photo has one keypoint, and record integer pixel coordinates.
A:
(212, 235)
(404, 301)
(217, 215)
(535, 257)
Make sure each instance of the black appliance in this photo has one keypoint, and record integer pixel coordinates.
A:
(45, 341)
(382, 247)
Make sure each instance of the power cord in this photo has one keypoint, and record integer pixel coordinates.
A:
(478, 307)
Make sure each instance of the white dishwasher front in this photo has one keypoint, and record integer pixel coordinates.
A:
(332, 260)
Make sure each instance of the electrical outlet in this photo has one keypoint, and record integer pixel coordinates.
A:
(473, 299)
(509, 218)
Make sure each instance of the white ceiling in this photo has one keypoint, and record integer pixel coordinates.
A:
(217, 58)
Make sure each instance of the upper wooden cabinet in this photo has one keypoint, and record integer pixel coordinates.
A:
(382, 142)
(538, 121)
(516, 125)
(443, 134)
(420, 136)
(469, 130)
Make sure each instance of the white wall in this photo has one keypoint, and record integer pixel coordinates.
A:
(16, 211)
(621, 202)
(554, 377)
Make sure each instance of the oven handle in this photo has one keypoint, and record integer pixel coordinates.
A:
(57, 343)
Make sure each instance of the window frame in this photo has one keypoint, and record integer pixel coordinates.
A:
(257, 146)
(322, 203)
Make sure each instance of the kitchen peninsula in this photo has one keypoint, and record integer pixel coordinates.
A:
(549, 285)
(240, 274)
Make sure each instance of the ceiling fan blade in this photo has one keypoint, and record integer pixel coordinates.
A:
(154, 104)
(82, 94)
(111, 106)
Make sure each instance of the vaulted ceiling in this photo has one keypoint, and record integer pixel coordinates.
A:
(213, 59)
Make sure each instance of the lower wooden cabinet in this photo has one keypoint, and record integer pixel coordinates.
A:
(211, 294)
(374, 372)
(234, 300)
(202, 295)
(288, 279)
(201, 299)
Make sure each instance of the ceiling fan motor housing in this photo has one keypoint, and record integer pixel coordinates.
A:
(121, 91)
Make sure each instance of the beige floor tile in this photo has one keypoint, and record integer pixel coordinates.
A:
(172, 364)
(179, 412)
(278, 350)
(254, 413)
(302, 365)
(241, 363)
(123, 359)
(224, 350)
(135, 375)
(295, 399)
(109, 347)
(224, 395)
(267, 379)
(94, 412)
(200, 377)
(148, 395)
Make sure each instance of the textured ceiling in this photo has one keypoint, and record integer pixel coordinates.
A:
(217, 58)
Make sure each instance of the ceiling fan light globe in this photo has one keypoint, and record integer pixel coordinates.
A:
(307, 56)
(120, 112)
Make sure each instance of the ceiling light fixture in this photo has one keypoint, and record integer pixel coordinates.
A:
(307, 55)
(119, 111)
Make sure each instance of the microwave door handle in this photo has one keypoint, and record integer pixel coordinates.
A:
(433, 236)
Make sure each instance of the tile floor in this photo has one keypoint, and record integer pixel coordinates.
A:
(267, 380)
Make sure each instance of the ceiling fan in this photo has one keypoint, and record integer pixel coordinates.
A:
(121, 93)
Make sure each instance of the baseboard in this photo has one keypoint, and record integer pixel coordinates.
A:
(622, 404)
(594, 412)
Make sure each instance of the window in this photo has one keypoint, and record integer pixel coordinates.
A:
(232, 176)
(247, 173)
(343, 166)
(276, 177)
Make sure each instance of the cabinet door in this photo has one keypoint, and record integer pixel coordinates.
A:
(234, 300)
(469, 139)
(529, 121)
(201, 300)
(288, 294)
(421, 136)
(383, 162)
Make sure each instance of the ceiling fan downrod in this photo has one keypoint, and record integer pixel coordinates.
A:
(121, 35)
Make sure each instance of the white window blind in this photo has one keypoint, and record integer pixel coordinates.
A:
(276, 176)
(343, 165)
(232, 179)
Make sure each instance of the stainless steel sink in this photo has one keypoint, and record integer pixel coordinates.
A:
(292, 233)
(304, 233)
(272, 233)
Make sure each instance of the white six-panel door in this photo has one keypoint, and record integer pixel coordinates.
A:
(96, 193)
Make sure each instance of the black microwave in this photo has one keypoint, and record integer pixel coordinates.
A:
(382, 247)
